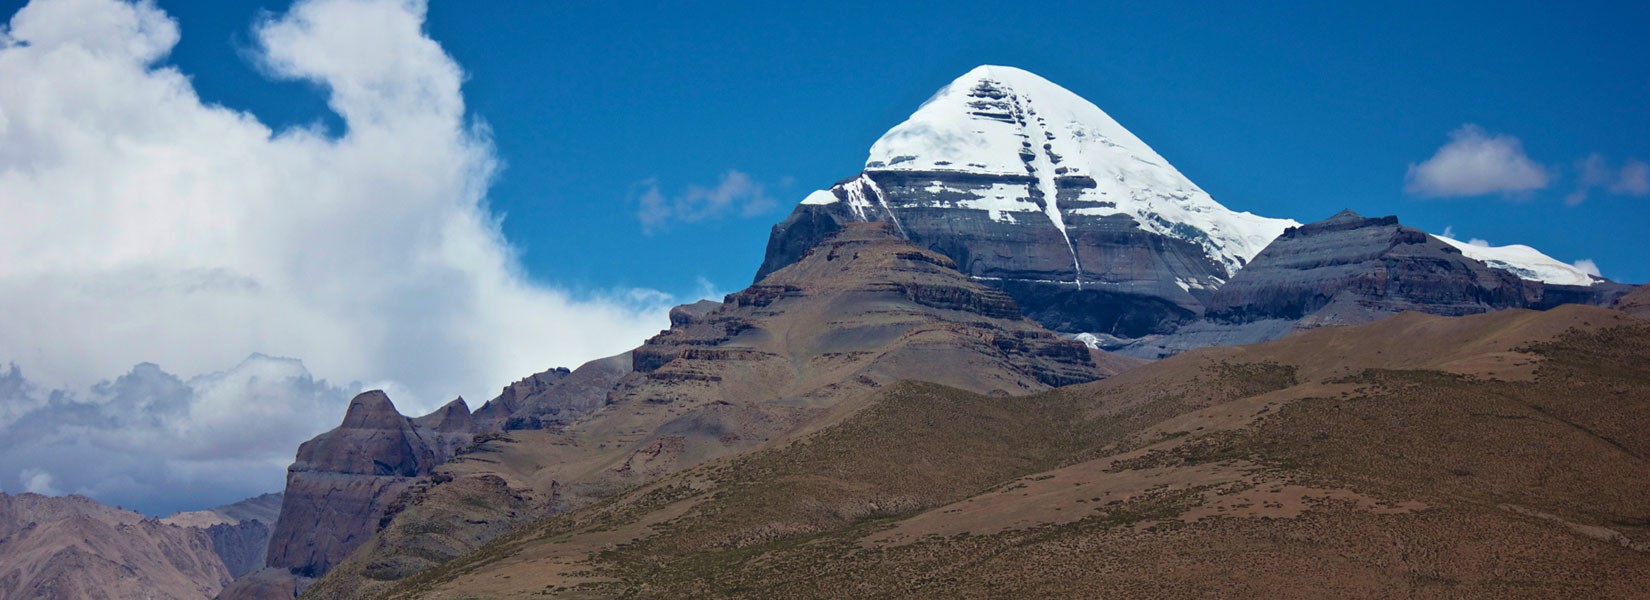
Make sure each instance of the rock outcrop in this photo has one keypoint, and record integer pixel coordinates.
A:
(554, 397)
(343, 480)
(1035, 191)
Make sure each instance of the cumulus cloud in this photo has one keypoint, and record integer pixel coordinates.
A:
(155, 442)
(735, 192)
(1596, 172)
(1474, 163)
(1586, 265)
(37, 481)
(143, 225)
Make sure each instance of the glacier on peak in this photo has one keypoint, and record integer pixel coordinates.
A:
(1523, 261)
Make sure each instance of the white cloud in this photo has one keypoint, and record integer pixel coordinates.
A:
(1475, 163)
(735, 192)
(1633, 180)
(139, 224)
(1586, 265)
(36, 481)
(152, 441)
(1593, 172)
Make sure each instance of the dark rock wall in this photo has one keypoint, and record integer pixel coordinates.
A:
(1122, 279)
(242, 546)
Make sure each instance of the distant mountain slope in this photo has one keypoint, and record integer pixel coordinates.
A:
(1495, 455)
(1636, 303)
(72, 547)
(265, 508)
(240, 532)
(1349, 269)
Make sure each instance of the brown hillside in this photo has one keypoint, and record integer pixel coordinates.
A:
(1499, 455)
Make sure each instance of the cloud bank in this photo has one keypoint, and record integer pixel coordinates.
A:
(1475, 163)
(139, 224)
(152, 441)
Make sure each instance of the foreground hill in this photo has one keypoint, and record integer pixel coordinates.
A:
(1495, 455)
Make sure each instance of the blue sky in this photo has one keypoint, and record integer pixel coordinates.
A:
(1292, 112)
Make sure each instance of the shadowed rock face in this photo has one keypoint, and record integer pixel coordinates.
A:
(1129, 286)
(239, 531)
(243, 546)
(1359, 268)
(343, 480)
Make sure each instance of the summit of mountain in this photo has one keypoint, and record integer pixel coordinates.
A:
(1033, 190)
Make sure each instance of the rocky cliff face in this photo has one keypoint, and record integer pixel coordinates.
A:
(1349, 269)
(343, 480)
(243, 546)
(1037, 192)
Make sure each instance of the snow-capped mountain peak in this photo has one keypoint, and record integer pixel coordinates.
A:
(1005, 121)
